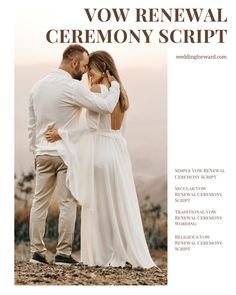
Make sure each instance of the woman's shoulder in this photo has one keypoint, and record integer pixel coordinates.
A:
(96, 88)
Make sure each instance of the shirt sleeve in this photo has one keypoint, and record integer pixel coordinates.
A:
(105, 105)
(31, 125)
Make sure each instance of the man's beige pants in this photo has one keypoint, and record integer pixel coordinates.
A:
(51, 172)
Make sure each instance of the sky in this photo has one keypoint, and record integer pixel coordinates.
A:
(143, 71)
(31, 29)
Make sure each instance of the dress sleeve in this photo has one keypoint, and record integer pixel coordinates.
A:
(93, 118)
(77, 151)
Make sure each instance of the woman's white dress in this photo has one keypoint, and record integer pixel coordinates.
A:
(100, 178)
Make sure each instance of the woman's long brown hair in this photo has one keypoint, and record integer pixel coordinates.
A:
(103, 61)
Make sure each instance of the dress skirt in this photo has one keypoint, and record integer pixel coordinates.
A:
(100, 178)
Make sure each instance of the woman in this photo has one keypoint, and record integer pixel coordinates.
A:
(100, 177)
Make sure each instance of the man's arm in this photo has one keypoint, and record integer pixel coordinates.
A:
(31, 125)
(93, 102)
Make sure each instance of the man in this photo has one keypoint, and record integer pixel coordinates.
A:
(56, 100)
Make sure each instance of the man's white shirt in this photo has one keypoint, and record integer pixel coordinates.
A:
(57, 100)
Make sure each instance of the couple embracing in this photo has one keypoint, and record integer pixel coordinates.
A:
(90, 166)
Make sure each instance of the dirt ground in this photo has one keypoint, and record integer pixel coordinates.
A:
(30, 274)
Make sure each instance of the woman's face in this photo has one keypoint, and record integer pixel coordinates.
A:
(94, 75)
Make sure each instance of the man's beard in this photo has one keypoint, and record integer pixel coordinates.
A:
(79, 74)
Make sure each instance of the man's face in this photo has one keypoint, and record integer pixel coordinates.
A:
(82, 67)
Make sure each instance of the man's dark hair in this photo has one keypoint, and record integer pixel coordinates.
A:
(73, 50)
